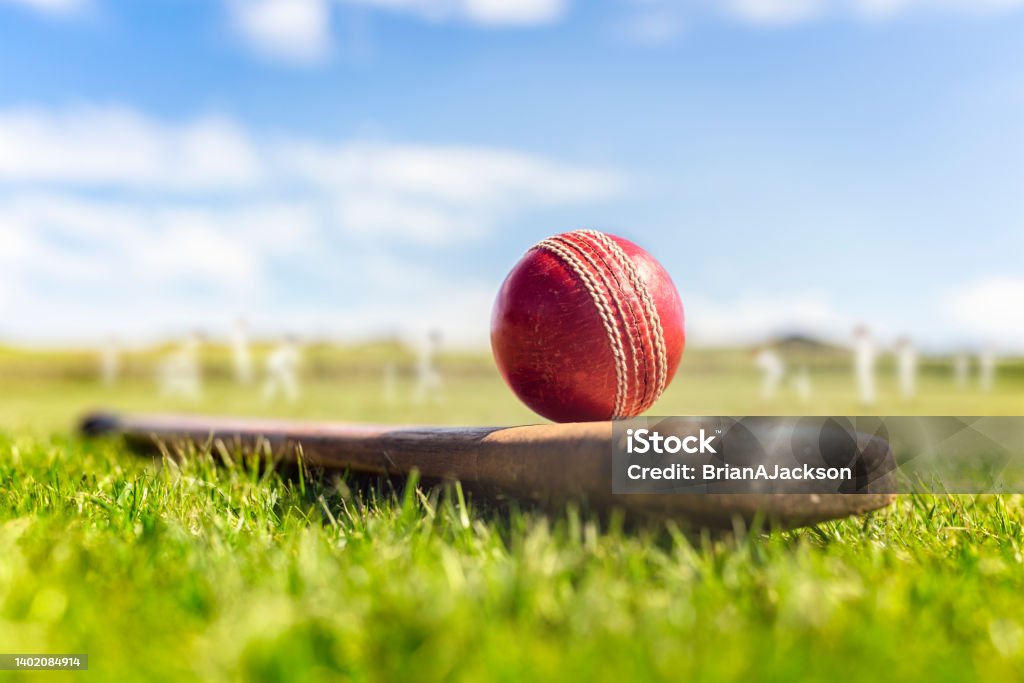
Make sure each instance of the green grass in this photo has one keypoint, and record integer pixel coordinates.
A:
(162, 571)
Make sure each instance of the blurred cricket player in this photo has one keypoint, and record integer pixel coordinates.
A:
(864, 364)
(179, 373)
(772, 371)
(282, 371)
(429, 383)
(906, 367)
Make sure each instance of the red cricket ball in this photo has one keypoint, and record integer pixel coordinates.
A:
(587, 326)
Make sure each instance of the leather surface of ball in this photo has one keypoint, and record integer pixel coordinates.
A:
(587, 326)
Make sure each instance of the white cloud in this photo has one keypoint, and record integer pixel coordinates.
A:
(772, 12)
(753, 318)
(991, 309)
(111, 220)
(428, 193)
(119, 147)
(126, 269)
(390, 215)
(299, 31)
(971, 316)
(420, 299)
(782, 12)
(654, 27)
(83, 268)
(51, 7)
(884, 9)
(291, 30)
(514, 12)
(659, 21)
(479, 12)
(438, 193)
(78, 241)
(469, 175)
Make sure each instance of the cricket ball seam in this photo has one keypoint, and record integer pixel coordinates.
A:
(572, 262)
(613, 265)
(587, 250)
(581, 241)
(653, 317)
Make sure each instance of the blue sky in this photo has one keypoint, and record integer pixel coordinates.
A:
(349, 167)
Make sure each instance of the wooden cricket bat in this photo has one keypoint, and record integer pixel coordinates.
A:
(551, 463)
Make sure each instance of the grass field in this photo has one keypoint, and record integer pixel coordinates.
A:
(191, 572)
